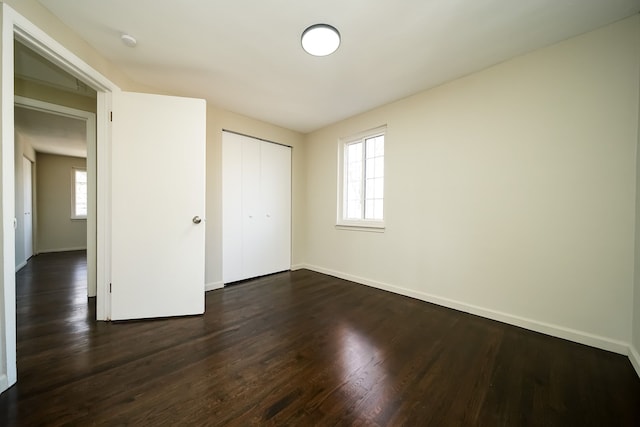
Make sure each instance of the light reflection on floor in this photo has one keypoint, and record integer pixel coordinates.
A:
(59, 279)
(361, 361)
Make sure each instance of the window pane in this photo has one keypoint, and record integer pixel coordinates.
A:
(354, 171)
(371, 148)
(370, 168)
(363, 186)
(377, 209)
(380, 146)
(80, 193)
(378, 193)
(374, 209)
(353, 182)
(375, 147)
(354, 152)
(369, 189)
(354, 209)
(353, 192)
(378, 167)
(374, 178)
(368, 209)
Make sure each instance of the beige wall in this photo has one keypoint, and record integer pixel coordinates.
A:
(56, 230)
(33, 90)
(509, 193)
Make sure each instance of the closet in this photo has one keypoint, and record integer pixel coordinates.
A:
(256, 207)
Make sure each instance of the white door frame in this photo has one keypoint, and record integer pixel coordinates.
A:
(27, 182)
(16, 26)
(90, 124)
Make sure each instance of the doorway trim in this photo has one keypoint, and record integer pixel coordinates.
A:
(27, 199)
(90, 123)
(15, 26)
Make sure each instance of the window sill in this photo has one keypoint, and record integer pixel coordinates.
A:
(78, 218)
(373, 227)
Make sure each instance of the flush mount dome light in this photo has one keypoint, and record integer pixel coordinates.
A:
(320, 40)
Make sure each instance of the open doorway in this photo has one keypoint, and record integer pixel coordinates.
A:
(16, 27)
(118, 205)
(54, 153)
(46, 191)
(55, 130)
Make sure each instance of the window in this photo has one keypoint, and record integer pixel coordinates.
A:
(78, 193)
(361, 202)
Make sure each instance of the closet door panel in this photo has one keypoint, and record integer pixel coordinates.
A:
(276, 201)
(231, 208)
(253, 239)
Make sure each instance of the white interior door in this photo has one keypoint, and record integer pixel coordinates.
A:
(157, 196)
(28, 207)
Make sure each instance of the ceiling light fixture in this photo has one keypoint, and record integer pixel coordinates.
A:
(320, 40)
(129, 40)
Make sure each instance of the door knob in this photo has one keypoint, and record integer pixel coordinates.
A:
(197, 220)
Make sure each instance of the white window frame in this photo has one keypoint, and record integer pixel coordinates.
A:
(73, 193)
(357, 224)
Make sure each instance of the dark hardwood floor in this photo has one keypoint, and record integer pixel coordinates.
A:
(300, 349)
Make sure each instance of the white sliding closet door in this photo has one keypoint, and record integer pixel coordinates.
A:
(256, 207)
(232, 217)
(276, 203)
(252, 214)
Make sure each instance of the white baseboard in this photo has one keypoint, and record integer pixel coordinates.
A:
(581, 337)
(298, 267)
(213, 286)
(46, 251)
(634, 357)
(19, 266)
(4, 382)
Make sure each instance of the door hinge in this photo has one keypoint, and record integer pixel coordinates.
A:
(110, 287)
(111, 116)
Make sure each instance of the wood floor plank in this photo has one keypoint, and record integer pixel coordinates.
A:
(301, 349)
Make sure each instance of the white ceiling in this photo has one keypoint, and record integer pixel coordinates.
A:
(30, 66)
(245, 55)
(51, 133)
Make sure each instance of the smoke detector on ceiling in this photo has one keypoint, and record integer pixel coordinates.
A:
(129, 40)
